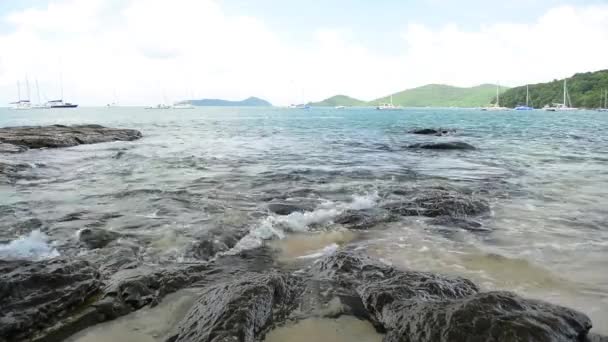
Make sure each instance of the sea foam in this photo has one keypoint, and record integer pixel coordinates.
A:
(34, 246)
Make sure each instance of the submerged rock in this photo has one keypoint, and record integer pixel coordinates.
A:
(11, 148)
(9, 172)
(439, 202)
(362, 219)
(287, 208)
(454, 145)
(214, 241)
(432, 131)
(63, 136)
(239, 310)
(458, 222)
(97, 237)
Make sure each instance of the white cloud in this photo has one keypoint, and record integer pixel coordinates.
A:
(144, 48)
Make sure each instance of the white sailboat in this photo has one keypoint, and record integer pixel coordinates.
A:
(496, 106)
(604, 97)
(566, 106)
(39, 104)
(388, 106)
(20, 104)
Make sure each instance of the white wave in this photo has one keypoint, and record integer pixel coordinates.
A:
(34, 246)
(275, 227)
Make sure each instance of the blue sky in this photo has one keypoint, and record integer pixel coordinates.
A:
(276, 49)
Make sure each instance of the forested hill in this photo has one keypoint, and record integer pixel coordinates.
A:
(585, 91)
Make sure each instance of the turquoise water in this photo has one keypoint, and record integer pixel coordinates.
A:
(544, 173)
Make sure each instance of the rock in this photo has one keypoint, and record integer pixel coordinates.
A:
(239, 310)
(454, 145)
(432, 131)
(458, 222)
(64, 136)
(9, 172)
(10, 148)
(35, 295)
(214, 241)
(490, 316)
(362, 219)
(439, 202)
(596, 338)
(286, 208)
(96, 237)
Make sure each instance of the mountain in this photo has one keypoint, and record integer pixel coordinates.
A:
(338, 100)
(585, 91)
(249, 102)
(439, 95)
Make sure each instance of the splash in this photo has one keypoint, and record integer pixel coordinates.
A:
(34, 246)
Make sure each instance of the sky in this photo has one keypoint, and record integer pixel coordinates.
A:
(144, 52)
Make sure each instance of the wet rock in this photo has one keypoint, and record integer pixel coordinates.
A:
(96, 237)
(287, 208)
(458, 222)
(439, 202)
(64, 136)
(362, 219)
(35, 295)
(113, 259)
(11, 148)
(454, 145)
(432, 131)
(239, 310)
(490, 316)
(9, 172)
(214, 241)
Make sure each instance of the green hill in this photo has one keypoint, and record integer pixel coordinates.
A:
(585, 91)
(338, 100)
(439, 95)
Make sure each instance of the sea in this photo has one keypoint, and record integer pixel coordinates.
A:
(545, 175)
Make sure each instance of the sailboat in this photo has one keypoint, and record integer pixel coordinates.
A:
(21, 104)
(388, 106)
(161, 105)
(566, 106)
(39, 104)
(604, 107)
(527, 106)
(60, 103)
(496, 106)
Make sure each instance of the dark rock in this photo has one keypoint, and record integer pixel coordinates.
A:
(64, 136)
(439, 202)
(362, 219)
(239, 310)
(458, 222)
(214, 241)
(35, 295)
(491, 316)
(113, 259)
(454, 145)
(432, 131)
(286, 208)
(9, 172)
(97, 237)
(10, 148)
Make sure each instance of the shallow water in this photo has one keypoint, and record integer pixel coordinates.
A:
(544, 173)
(342, 329)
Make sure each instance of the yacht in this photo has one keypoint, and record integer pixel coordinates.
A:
(562, 107)
(299, 106)
(388, 106)
(527, 106)
(339, 107)
(21, 104)
(185, 105)
(496, 106)
(159, 106)
(60, 104)
(603, 105)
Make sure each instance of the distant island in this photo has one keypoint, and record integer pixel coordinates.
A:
(585, 90)
(431, 95)
(249, 102)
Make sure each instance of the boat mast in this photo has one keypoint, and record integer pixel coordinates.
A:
(27, 88)
(527, 95)
(565, 93)
(391, 100)
(38, 92)
(497, 95)
(18, 91)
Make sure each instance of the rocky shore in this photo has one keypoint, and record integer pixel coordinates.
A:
(245, 294)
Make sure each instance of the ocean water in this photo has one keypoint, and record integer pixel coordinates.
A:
(545, 175)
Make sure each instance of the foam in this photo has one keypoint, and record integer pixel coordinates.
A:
(276, 227)
(34, 246)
